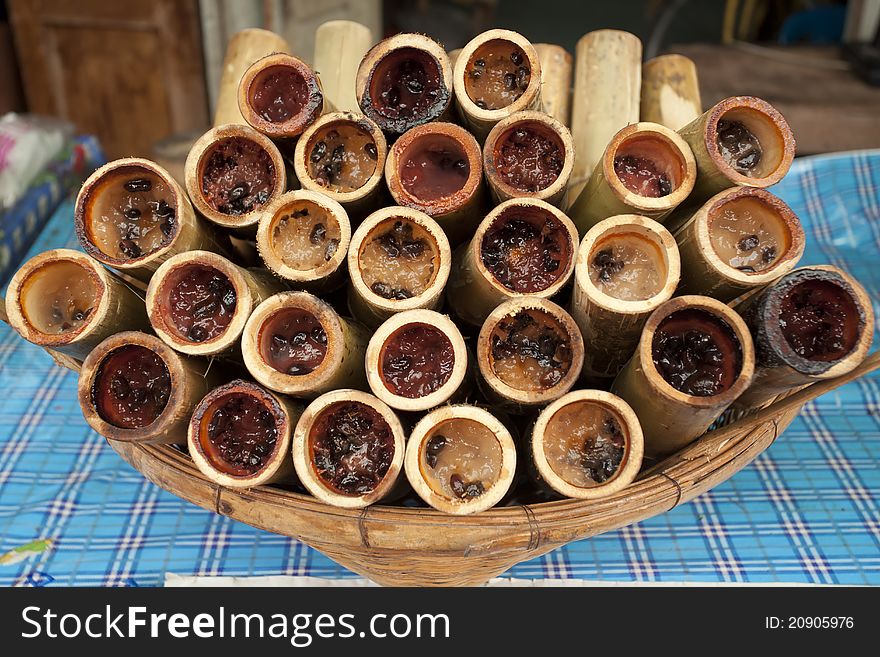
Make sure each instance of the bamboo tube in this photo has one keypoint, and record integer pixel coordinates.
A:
(453, 57)
(353, 420)
(607, 83)
(588, 444)
(512, 372)
(399, 259)
(523, 246)
(65, 301)
(670, 91)
(135, 388)
(670, 417)
(245, 47)
(528, 155)
(437, 168)
(793, 347)
(556, 65)
(416, 360)
(353, 180)
(508, 81)
(404, 81)
(199, 302)
(221, 421)
(296, 344)
(132, 215)
(339, 48)
(467, 468)
(627, 266)
(646, 169)
(741, 238)
(280, 96)
(303, 238)
(232, 172)
(765, 125)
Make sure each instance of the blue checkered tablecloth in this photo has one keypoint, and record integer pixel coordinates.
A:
(804, 511)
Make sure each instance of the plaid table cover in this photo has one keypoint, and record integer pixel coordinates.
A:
(805, 511)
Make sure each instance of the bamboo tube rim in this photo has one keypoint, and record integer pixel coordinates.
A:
(387, 47)
(84, 201)
(442, 251)
(312, 133)
(527, 97)
(659, 387)
(289, 384)
(156, 311)
(674, 146)
(389, 328)
(632, 458)
(770, 120)
(775, 206)
(276, 459)
(98, 277)
(546, 123)
(305, 467)
(415, 447)
(273, 213)
(195, 164)
(91, 366)
(484, 351)
(645, 228)
(311, 107)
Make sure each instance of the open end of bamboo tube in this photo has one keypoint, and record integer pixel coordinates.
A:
(404, 81)
(333, 429)
(232, 172)
(239, 436)
(529, 351)
(128, 212)
(529, 154)
(749, 141)
(280, 96)
(436, 168)
(416, 360)
(587, 444)
(198, 302)
(460, 459)
(303, 237)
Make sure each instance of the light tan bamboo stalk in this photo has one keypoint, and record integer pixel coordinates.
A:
(191, 379)
(540, 124)
(417, 468)
(453, 56)
(251, 287)
(611, 327)
(459, 213)
(704, 272)
(246, 222)
(556, 66)
(339, 48)
(670, 418)
(478, 120)
(188, 232)
(634, 445)
(279, 464)
(780, 368)
(116, 307)
(605, 195)
(474, 291)
(245, 47)
(377, 349)
(303, 450)
(767, 125)
(670, 91)
(343, 362)
(372, 309)
(607, 85)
